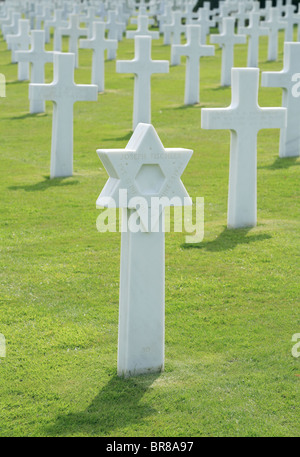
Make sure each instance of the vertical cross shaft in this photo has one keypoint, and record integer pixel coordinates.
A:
(143, 67)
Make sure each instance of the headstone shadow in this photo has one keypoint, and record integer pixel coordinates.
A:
(120, 138)
(117, 405)
(27, 115)
(282, 163)
(44, 185)
(228, 239)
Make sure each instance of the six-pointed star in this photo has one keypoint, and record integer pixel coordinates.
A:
(144, 169)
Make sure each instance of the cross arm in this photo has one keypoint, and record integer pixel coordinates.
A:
(86, 92)
(217, 118)
(126, 66)
(275, 79)
(23, 56)
(111, 44)
(87, 44)
(42, 92)
(217, 39)
(160, 66)
(272, 118)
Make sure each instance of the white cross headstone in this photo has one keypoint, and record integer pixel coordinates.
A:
(12, 27)
(205, 23)
(7, 18)
(63, 92)
(42, 16)
(290, 19)
(227, 40)
(148, 173)
(88, 19)
(114, 26)
(37, 57)
(142, 12)
(143, 67)
(242, 15)
(193, 50)
(288, 80)
(254, 31)
(57, 22)
(21, 42)
(73, 31)
(98, 43)
(244, 117)
(173, 32)
(273, 24)
(142, 29)
(165, 18)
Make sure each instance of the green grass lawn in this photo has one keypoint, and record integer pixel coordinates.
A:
(232, 301)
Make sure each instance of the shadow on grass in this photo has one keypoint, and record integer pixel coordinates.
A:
(27, 115)
(117, 405)
(182, 107)
(16, 81)
(282, 163)
(220, 88)
(44, 185)
(228, 240)
(120, 138)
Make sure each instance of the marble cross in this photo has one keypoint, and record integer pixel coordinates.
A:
(242, 15)
(205, 23)
(165, 18)
(73, 31)
(193, 50)
(21, 42)
(88, 19)
(57, 22)
(12, 27)
(143, 67)
(63, 92)
(142, 29)
(244, 117)
(174, 31)
(37, 57)
(273, 24)
(289, 19)
(98, 43)
(254, 31)
(227, 40)
(114, 26)
(147, 172)
(288, 80)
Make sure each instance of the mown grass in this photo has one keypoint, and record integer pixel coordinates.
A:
(232, 301)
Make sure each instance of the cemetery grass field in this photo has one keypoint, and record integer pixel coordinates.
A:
(232, 301)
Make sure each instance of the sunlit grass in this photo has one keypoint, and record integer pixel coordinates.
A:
(232, 301)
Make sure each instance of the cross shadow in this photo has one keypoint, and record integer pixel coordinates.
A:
(120, 138)
(221, 88)
(16, 81)
(27, 115)
(44, 185)
(117, 405)
(282, 163)
(183, 107)
(228, 240)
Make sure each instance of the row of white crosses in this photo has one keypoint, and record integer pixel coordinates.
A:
(146, 169)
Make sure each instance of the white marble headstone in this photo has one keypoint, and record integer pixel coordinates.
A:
(289, 80)
(193, 50)
(244, 118)
(63, 92)
(145, 170)
(142, 66)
